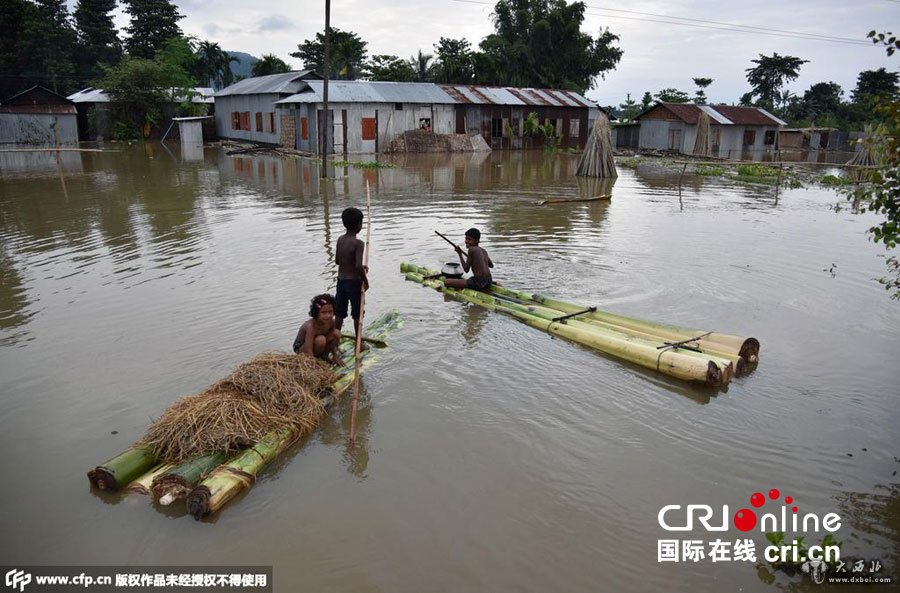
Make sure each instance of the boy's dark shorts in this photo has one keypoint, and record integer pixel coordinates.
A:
(348, 291)
(479, 282)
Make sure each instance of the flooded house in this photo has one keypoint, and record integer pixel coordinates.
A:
(368, 116)
(38, 116)
(245, 110)
(93, 106)
(734, 132)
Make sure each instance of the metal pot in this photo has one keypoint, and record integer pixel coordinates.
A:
(452, 270)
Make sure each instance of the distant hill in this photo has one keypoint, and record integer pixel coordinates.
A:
(242, 67)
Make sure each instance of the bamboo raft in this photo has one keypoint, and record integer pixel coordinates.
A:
(705, 357)
(208, 482)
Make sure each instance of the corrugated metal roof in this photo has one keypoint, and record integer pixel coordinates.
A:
(286, 83)
(748, 116)
(780, 121)
(361, 91)
(714, 115)
(92, 95)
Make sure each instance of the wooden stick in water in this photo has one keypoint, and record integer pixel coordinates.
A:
(362, 311)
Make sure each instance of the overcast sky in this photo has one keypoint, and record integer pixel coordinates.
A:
(656, 54)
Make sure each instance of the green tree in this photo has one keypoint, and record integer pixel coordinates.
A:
(769, 76)
(389, 68)
(47, 46)
(646, 101)
(882, 195)
(140, 89)
(153, 23)
(672, 96)
(453, 61)
(98, 40)
(347, 54)
(875, 83)
(214, 65)
(702, 83)
(629, 109)
(539, 43)
(15, 61)
(269, 64)
(823, 102)
(421, 65)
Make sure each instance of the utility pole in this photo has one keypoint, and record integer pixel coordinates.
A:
(326, 126)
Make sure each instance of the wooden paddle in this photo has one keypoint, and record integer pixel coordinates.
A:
(362, 310)
(455, 246)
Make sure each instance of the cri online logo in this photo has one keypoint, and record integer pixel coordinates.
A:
(745, 519)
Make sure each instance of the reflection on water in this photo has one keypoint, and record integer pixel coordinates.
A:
(497, 449)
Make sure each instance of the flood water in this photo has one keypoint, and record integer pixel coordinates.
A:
(492, 457)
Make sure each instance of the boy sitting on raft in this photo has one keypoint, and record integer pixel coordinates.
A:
(318, 337)
(478, 261)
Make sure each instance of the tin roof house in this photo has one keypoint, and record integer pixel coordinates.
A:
(245, 110)
(368, 116)
(38, 116)
(734, 132)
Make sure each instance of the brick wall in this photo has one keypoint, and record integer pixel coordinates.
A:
(288, 131)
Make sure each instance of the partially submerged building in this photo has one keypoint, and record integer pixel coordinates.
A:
(369, 116)
(38, 116)
(734, 132)
(93, 106)
(245, 110)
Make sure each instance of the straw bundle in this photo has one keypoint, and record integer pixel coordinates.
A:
(272, 391)
(597, 159)
(701, 142)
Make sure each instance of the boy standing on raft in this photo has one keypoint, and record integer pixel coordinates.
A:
(352, 278)
(477, 260)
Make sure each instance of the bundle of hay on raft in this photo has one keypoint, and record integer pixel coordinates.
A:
(271, 392)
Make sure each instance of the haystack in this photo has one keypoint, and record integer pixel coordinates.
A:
(597, 159)
(271, 392)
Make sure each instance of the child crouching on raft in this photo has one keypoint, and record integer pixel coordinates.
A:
(318, 337)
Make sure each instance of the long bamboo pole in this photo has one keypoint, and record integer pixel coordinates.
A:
(362, 312)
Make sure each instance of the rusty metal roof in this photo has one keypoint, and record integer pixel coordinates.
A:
(43, 109)
(727, 115)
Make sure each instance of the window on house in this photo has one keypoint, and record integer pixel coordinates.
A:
(235, 120)
(497, 127)
(245, 121)
(272, 122)
(304, 128)
(398, 106)
(769, 139)
(749, 137)
(369, 128)
(574, 128)
(425, 123)
(259, 127)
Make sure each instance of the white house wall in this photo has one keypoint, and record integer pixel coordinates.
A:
(263, 103)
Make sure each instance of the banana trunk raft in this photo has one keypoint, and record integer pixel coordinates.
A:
(693, 355)
(209, 481)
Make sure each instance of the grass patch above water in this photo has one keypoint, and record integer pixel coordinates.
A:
(364, 164)
(757, 171)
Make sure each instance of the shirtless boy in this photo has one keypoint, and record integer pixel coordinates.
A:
(352, 278)
(477, 260)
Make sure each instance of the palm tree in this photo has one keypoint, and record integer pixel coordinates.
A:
(214, 64)
(420, 63)
(269, 64)
(770, 74)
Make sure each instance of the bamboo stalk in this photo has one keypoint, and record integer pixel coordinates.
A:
(122, 469)
(677, 363)
(229, 479)
(564, 200)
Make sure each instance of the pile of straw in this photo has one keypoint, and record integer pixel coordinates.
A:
(597, 159)
(273, 391)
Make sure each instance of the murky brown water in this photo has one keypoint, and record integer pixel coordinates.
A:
(150, 277)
